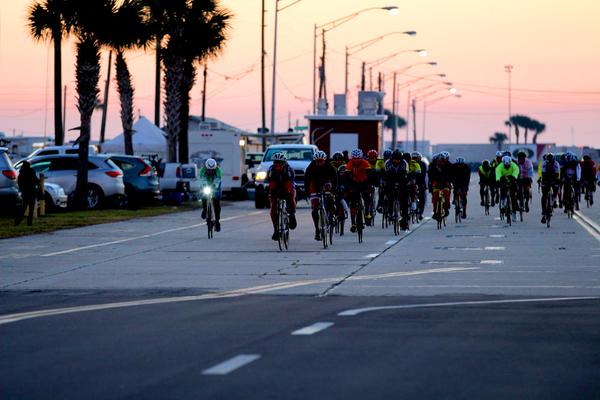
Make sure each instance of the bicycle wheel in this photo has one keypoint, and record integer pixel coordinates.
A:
(508, 211)
(396, 217)
(323, 229)
(360, 221)
(458, 211)
(209, 218)
(487, 201)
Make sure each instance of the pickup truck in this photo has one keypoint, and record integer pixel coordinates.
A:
(299, 156)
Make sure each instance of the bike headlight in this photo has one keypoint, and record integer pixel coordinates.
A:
(207, 190)
(261, 175)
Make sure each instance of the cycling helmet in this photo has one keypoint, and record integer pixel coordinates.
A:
(397, 154)
(372, 154)
(506, 153)
(387, 153)
(445, 155)
(415, 154)
(522, 154)
(210, 164)
(460, 160)
(320, 155)
(569, 157)
(337, 156)
(506, 160)
(356, 153)
(279, 157)
(587, 157)
(498, 153)
(485, 163)
(549, 157)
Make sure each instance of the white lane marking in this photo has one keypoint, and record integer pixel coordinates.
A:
(449, 262)
(497, 218)
(391, 242)
(231, 365)
(11, 318)
(579, 218)
(497, 236)
(357, 311)
(491, 262)
(494, 248)
(372, 255)
(312, 329)
(92, 246)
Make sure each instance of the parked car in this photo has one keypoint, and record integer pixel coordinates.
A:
(10, 198)
(180, 178)
(66, 149)
(105, 179)
(55, 196)
(299, 156)
(140, 179)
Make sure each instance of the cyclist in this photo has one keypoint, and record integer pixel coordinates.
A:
(395, 180)
(440, 178)
(525, 177)
(550, 178)
(487, 177)
(377, 167)
(320, 176)
(357, 184)
(387, 155)
(461, 178)
(571, 171)
(281, 185)
(421, 181)
(588, 177)
(414, 174)
(339, 165)
(494, 164)
(506, 177)
(376, 163)
(210, 176)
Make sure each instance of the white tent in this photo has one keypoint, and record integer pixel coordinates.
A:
(147, 139)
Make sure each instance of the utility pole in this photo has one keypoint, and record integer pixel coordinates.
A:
(204, 93)
(105, 103)
(274, 68)
(414, 110)
(263, 126)
(508, 69)
(394, 117)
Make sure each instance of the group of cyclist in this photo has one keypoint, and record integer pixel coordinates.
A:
(397, 175)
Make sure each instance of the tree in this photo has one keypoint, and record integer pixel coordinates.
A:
(498, 138)
(539, 128)
(389, 121)
(194, 30)
(91, 27)
(47, 20)
(133, 32)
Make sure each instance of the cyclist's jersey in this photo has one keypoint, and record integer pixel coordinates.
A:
(380, 165)
(588, 170)
(549, 172)
(214, 180)
(440, 176)
(422, 178)
(494, 164)
(395, 174)
(503, 172)
(485, 176)
(315, 177)
(282, 180)
(414, 168)
(525, 169)
(461, 175)
(358, 171)
(571, 170)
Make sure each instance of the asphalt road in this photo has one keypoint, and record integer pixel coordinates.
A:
(153, 309)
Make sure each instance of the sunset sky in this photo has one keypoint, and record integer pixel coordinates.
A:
(552, 44)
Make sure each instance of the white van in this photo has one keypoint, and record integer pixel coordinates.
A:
(66, 149)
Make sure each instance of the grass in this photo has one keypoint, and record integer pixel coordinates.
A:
(73, 219)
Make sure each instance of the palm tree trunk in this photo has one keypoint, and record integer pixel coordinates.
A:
(58, 127)
(125, 89)
(189, 77)
(525, 134)
(87, 75)
(516, 132)
(173, 77)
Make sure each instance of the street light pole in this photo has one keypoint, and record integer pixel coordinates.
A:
(394, 117)
(508, 69)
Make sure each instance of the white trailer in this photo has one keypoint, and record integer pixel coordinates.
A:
(215, 139)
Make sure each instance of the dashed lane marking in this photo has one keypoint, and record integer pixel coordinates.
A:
(314, 328)
(497, 236)
(491, 262)
(391, 242)
(372, 255)
(231, 365)
(493, 248)
(357, 311)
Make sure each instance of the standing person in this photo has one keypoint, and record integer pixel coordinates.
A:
(28, 185)
(461, 178)
(320, 176)
(282, 185)
(210, 176)
(525, 177)
(487, 177)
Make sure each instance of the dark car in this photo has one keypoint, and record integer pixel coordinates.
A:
(141, 181)
(10, 198)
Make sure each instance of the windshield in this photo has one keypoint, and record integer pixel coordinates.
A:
(302, 154)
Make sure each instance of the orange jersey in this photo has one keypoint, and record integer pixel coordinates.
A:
(357, 169)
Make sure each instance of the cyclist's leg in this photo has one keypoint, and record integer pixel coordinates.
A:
(482, 192)
(291, 204)
(273, 213)
(446, 193)
(203, 207)
(435, 198)
(404, 204)
(463, 196)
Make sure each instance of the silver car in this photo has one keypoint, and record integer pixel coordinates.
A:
(9, 190)
(104, 177)
(55, 196)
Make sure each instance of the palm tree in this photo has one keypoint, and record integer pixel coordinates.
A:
(47, 21)
(389, 121)
(155, 10)
(133, 32)
(195, 30)
(91, 27)
(539, 128)
(499, 138)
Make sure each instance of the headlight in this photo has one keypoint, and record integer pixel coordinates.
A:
(207, 190)
(261, 175)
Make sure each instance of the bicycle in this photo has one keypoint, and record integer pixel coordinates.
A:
(521, 199)
(440, 209)
(340, 215)
(210, 212)
(505, 205)
(486, 199)
(569, 198)
(548, 207)
(360, 218)
(283, 229)
(588, 191)
(415, 206)
(458, 207)
(324, 221)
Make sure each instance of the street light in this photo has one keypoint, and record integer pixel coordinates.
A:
(392, 10)
(350, 50)
(430, 102)
(379, 61)
(277, 10)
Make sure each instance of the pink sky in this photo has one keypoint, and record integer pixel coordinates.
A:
(553, 45)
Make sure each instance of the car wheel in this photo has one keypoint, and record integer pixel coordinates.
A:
(94, 197)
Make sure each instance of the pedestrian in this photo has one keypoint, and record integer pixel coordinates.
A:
(28, 186)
